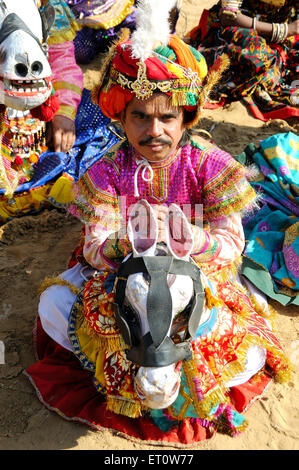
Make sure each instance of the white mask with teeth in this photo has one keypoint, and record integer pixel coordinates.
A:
(24, 68)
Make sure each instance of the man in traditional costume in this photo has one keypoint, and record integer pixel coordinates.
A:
(156, 91)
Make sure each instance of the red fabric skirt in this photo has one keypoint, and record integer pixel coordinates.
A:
(64, 387)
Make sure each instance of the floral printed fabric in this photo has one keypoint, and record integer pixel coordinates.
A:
(271, 259)
(219, 353)
(262, 74)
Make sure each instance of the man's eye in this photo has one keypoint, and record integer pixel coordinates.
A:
(140, 116)
(168, 117)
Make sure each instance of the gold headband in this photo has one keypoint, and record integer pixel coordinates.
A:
(143, 88)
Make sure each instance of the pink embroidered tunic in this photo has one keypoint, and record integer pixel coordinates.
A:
(206, 182)
(67, 77)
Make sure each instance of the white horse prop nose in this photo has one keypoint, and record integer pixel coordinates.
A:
(157, 387)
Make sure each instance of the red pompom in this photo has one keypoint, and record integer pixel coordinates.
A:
(47, 110)
(18, 160)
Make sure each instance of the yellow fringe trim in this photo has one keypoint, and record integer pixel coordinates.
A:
(179, 99)
(180, 416)
(212, 301)
(68, 35)
(226, 274)
(283, 376)
(224, 428)
(244, 199)
(84, 187)
(109, 343)
(211, 399)
(269, 313)
(58, 281)
(123, 406)
(109, 19)
(238, 366)
(218, 395)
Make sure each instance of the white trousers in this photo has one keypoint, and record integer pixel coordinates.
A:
(56, 302)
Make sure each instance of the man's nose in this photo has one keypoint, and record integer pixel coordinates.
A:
(154, 128)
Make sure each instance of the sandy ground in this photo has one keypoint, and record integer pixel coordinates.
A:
(34, 247)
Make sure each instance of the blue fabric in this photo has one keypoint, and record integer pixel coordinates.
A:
(93, 137)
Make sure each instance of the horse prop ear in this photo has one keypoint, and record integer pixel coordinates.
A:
(48, 17)
(179, 235)
(143, 229)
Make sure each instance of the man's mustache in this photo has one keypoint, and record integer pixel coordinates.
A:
(154, 140)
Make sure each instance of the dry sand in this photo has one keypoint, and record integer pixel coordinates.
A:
(34, 247)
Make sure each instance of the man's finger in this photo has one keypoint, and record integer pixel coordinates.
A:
(57, 140)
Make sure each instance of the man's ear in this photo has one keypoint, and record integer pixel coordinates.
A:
(122, 117)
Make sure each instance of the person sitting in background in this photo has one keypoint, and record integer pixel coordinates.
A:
(261, 40)
(100, 22)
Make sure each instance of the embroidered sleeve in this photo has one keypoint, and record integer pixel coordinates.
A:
(101, 248)
(67, 78)
(225, 187)
(222, 244)
(98, 204)
(96, 194)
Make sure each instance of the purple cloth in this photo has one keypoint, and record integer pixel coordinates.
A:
(89, 42)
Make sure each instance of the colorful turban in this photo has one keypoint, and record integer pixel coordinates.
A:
(177, 69)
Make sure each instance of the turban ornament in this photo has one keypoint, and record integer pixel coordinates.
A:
(153, 60)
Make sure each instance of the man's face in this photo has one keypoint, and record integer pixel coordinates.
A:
(154, 127)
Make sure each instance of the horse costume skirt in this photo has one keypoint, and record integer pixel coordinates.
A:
(83, 373)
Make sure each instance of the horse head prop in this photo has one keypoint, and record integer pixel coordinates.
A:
(25, 72)
(159, 301)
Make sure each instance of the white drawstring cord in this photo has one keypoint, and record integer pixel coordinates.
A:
(146, 166)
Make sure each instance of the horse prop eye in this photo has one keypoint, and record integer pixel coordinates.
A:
(129, 325)
(129, 315)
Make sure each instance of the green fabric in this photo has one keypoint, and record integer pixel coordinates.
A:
(263, 281)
